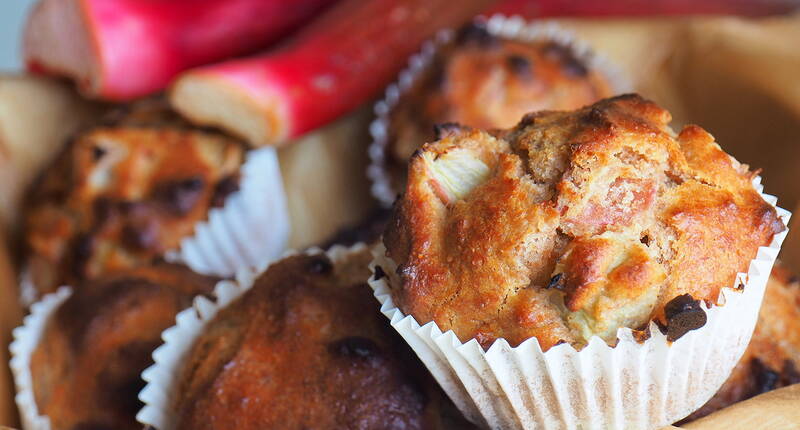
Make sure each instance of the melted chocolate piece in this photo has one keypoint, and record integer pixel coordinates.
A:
(224, 188)
(573, 66)
(98, 152)
(355, 347)
(765, 378)
(320, 265)
(476, 33)
(520, 65)
(556, 282)
(683, 314)
(180, 196)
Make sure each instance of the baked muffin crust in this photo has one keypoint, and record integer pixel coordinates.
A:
(86, 369)
(572, 224)
(123, 193)
(487, 81)
(305, 347)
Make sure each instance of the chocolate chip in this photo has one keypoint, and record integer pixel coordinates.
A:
(320, 265)
(520, 65)
(224, 188)
(355, 347)
(180, 196)
(766, 379)
(476, 33)
(379, 273)
(645, 240)
(556, 282)
(789, 374)
(572, 65)
(683, 314)
(98, 152)
(141, 235)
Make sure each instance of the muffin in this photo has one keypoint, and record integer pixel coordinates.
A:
(772, 359)
(573, 225)
(85, 369)
(302, 349)
(487, 80)
(122, 193)
(586, 268)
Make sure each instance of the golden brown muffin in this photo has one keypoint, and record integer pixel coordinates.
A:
(306, 347)
(87, 365)
(487, 81)
(121, 194)
(573, 224)
(772, 360)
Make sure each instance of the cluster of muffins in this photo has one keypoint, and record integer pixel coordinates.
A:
(555, 259)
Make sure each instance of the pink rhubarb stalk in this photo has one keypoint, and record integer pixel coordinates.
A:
(122, 49)
(338, 62)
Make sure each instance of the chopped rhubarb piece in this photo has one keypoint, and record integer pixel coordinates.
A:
(122, 49)
(335, 64)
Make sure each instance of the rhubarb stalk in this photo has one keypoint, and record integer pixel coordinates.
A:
(335, 64)
(122, 49)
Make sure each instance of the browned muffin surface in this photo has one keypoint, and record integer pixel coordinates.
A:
(486, 82)
(772, 360)
(306, 347)
(120, 195)
(86, 369)
(572, 224)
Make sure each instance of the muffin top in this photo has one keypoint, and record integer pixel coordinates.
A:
(772, 360)
(122, 193)
(573, 224)
(487, 81)
(86, 368)
(306, 347)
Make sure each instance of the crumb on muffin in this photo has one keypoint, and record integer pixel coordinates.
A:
(573, 224)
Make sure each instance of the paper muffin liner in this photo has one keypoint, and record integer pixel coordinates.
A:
(160, 393)
(632, 385)
(26, 339)
(498, 25)
(251, 227)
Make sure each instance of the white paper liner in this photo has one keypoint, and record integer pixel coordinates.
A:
(160, 392)
(498, 25)
(630, 386)
(26, 339)
(250, 228)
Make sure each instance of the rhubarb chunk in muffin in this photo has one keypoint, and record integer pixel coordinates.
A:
(573, 225)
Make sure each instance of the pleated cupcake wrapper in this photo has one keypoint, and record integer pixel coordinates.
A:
(251, 227)
(498, 25)
(25, 340)
(632, 385)
(160, 394)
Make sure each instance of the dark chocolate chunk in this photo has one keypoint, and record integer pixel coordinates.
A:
(476, 33)
(224, 188)
(180, 196)
(765, 378)
(355, 347)
(683, 314)
(573, 66)
(379, 273)
(320, 264)
(520, 65)
(142, 234)
(98, 152)
(790, 375)
(645, 240)
(556, 282)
